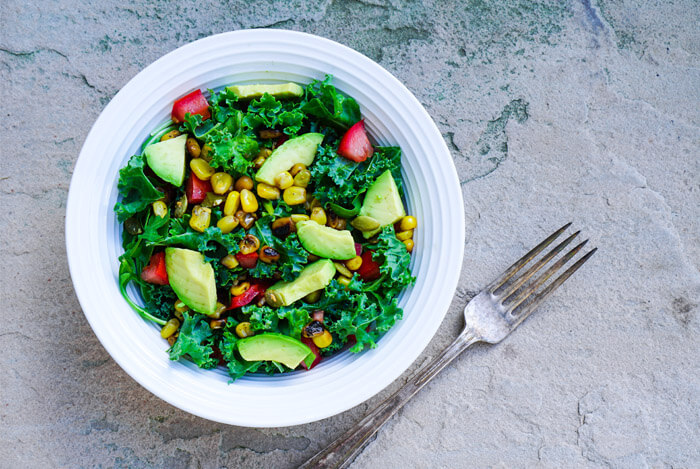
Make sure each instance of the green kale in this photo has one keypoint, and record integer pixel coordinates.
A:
(288, 320)
(194, 341)
(394, 258)
(270, 113)
(136, 189)
(323, 101)
(237, 367)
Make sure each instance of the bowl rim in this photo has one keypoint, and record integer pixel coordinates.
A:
(74, 247)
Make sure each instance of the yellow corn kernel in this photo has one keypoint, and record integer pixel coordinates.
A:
(264, 152)
(344, 281)
(179, 316)
(244, 330)
(172, 339)
(318, 215)
(323, 340)
(302, 178)
(313, 297)
(342, 269)
(217, 323)
(296, 168)
(229, 261)
(201, 217)
(169, 135)
(181, 307)
(249, 203)
(244, 182)
(294, 195)
(221, 183)
(201, 169)
(258, 162)
(296, 218)
(249, 244)
(240, 289)
(408, 223)
(404, 235)
(409, 245)
(232, 201)
(220, 309)
(354, 263)
(267, 191)
(227, 224)
(313, 203)
(205, 153)
(170, 328)
(192, 147)
(284, 180)
(159, 208)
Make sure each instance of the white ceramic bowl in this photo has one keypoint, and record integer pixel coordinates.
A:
(393, 117)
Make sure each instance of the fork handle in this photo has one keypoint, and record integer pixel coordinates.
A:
(341, 452)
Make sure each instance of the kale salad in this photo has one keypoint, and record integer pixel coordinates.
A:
(263, 230)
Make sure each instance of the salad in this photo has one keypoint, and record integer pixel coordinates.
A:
(263, 230)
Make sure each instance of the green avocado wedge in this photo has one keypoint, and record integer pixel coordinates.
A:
(275, 347)
(301, 149)
(283, 91)
(382, 203)
(313, 277)
(192, 279)
(167, 159)
(325, 241)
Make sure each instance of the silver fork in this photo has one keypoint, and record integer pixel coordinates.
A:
(489, 317)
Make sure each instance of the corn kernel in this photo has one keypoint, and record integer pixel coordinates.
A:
(302, 178)
(240, 289)
(313, 203)
(296, 168)
(179, 316)
(172, 339)
(227, 224)
(244, 182)
(244, 330)
(294, 195)
(201, 217)
(206, 153)
(323, 340)
(232, 201)
(258, 162)
(313, 297)
(170, 328)
(245, 219)
(284, 180)
(229, 261)
(342, 269)
(217, 323)
(169, 135)
(221, 183)
(264, 152)
(192, 147)
(267, 191)
(409, 245)
(296, 218)
(181, 307)
(344, 281)
(249, 244)
(201, 169)
(408, 223)
(220, 309)
(249, 203)
(354, 263)
(404, 235)
(159, 208)
(319, 215)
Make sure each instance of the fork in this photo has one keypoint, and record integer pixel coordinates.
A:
(489, 317)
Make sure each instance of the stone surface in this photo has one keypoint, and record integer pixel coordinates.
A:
(554, 111)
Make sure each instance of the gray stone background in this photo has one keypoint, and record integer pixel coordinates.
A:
(554, 111)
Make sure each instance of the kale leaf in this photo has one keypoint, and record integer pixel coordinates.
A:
(323, 101)
(137, 191)
(194, 341)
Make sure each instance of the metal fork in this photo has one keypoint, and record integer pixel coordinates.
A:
(489, 317)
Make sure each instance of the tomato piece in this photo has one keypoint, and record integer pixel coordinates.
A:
(358, 249)
(155, 271)
(355, 145)
(369, 270)
(193, 103)
(247, 296)
(247, 261)
(314, 349)
(196, 189)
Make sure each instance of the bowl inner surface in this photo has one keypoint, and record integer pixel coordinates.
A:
(393, 117)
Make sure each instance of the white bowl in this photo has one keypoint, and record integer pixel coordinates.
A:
(393, 117)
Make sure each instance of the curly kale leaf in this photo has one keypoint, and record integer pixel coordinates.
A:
(395, 260)
(323, 101)
(237, 367)
(271, 113)
(288, 320)
(194, 341)
(136, 189)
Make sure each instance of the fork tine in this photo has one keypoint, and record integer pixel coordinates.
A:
(525, 312)
(541, 263)
(513, 269)
(513, 303)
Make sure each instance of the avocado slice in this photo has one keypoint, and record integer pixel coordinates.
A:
(286, 90)
(273, 346)
(313, 277)
(325, 241)
(382, 202)
(167, 159)
(192, 279)
(301, 149)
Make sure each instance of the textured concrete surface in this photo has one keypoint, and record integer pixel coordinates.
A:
(554, 111)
